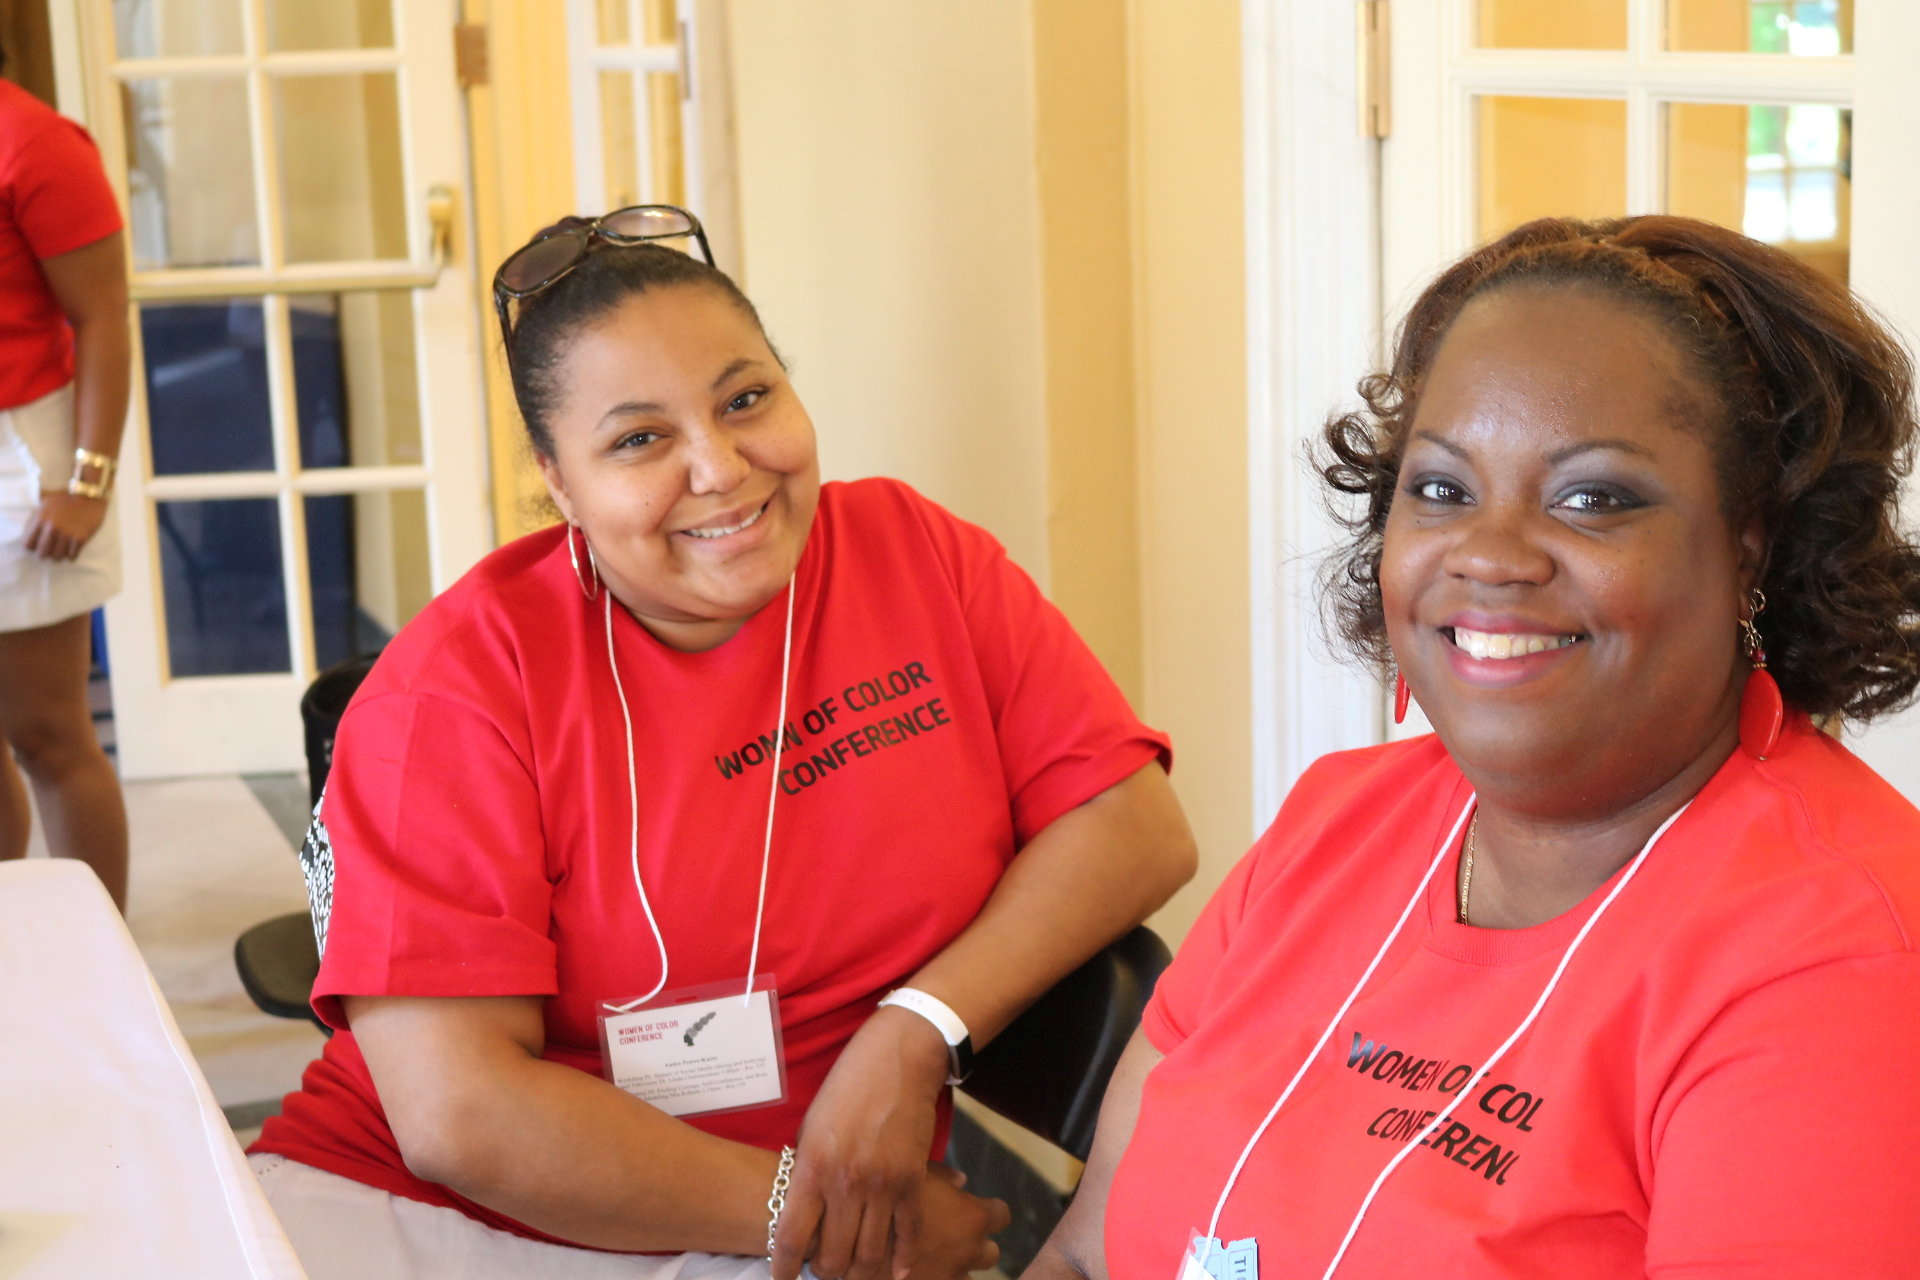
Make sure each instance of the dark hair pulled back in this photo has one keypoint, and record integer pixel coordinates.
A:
(605, 278)
(1816, 434)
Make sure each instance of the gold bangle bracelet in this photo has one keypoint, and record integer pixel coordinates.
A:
(79, 485)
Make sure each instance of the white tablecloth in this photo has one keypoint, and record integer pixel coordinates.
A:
(114, 1158)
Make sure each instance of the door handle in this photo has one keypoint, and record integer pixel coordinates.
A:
(440, 211)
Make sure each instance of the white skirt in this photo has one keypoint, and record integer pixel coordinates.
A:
(36, 452)
(347, 1230)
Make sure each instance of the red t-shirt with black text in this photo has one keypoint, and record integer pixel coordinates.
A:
(1721, 1084)
(941, 713)
(54, 198)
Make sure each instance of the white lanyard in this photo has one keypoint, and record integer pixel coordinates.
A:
(1446, 846)
(633, 804)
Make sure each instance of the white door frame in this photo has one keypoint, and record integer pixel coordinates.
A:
(247, 723)
(1313, 330)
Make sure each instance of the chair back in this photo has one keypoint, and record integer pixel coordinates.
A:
(1048, 1071)
(321, 707)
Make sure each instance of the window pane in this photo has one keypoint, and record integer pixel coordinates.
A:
(294, 25)
(355, 379)
(663, 22)
(1560, 24)
(1782, 174)
(226, 599)
(1799, 28)
(341, 169)
(663, 121)
(150, 29)
(207, 407)
(368, 567)
(1541, 157)
(190, 173)
(610, 22)
(617, 142)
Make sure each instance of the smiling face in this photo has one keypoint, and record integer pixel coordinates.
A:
(1559, 578)
(682, 452)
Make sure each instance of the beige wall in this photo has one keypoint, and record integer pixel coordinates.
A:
(888, 210)
(1081, 150)
(1191, 371)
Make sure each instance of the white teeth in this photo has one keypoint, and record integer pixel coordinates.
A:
(728, 529)
(1491, 644)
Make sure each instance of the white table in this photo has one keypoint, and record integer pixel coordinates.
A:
(114, 1158)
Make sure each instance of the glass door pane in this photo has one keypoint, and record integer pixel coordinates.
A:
(301, 25)
(1798, 28)
(190, 172)
(1560, 24)
(208, 407)
(226, 598)
(1542, 157)
(1779, 173)
(341, 173)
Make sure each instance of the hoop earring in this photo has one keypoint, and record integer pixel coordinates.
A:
(1762, 710)
(1401, 696)
(589, 590)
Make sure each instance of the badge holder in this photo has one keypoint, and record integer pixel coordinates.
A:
(1209, 1259)
(698, 1050)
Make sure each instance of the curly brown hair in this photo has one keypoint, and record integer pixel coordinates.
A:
(1816, 435)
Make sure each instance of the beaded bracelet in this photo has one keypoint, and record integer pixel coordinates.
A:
(777, 1201)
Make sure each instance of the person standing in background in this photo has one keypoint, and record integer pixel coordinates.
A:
(64, 371)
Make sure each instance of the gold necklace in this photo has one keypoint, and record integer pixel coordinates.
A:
(1466, 867)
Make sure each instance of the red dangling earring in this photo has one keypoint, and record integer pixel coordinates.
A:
(1762, 711)
(1401, 694)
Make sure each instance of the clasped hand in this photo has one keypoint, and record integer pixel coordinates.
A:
(63, 525)
(865, 1204)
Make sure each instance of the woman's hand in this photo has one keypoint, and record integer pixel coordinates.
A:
(858, 1194)
(955, 1228)
(64, 524)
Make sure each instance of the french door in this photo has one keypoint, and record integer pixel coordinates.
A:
(305, 458)
(1793, 120)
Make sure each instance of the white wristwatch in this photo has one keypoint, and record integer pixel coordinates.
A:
(945, 1021)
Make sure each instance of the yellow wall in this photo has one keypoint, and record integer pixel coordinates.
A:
(1191, 372)
(888, 224)
(1081, 145)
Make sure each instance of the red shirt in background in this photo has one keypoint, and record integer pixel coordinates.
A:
(54, 198)
(1721, 1085)
(941, 713)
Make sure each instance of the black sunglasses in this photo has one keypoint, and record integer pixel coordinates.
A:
(545, 259)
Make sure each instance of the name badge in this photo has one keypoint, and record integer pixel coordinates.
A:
(698, 1050)
(1209, 1259)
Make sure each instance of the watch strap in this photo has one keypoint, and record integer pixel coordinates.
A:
(945, 1021)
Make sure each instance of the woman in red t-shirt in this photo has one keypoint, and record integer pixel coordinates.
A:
(64, 370)
(728, 725)
(1616, 973)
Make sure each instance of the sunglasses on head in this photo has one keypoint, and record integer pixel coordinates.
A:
(541, 262)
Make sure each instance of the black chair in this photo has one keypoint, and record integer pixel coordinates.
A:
(1047, 1072)
(278, 959)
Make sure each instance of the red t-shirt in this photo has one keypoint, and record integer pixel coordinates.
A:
(1721, 1085)
(941, 713)
(54, 198)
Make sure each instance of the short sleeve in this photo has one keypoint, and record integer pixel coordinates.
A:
(1180, 998)
(1788, 1144)
(440, 880)
(61, 198)
(1065, 730)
